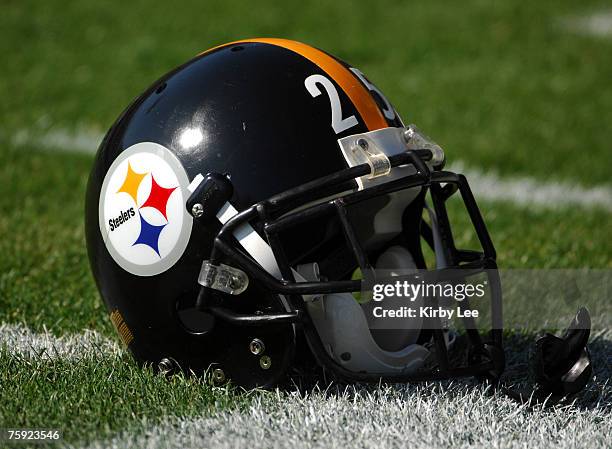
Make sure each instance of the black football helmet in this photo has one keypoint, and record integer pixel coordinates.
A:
(232, 203)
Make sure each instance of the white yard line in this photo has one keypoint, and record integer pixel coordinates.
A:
(19, 340)
(414, 416)
(526, 191)
(522, 191)
(59, 139)
(597, 23)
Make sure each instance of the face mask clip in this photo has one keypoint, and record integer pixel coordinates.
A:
(416, 140)
(377, 148)
(223, 278)
(208, 195)
(365, 153)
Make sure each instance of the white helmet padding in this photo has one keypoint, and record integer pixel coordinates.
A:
(397, 261)
(344, 327)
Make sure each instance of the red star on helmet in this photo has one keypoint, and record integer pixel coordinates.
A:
(158, 198)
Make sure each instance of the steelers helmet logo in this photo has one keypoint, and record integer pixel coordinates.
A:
(142, 216)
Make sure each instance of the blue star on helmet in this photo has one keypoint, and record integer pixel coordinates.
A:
(149, 235)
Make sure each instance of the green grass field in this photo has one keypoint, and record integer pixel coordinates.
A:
(502, 86)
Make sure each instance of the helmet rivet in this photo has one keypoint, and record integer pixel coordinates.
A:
(218, 376)
(363, 144)
(166, 366)
(265, 362)
(257, 346)
(197, 210)
(408, 133)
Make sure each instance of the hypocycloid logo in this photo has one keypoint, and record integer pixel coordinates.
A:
(142, 215)
(157, 199)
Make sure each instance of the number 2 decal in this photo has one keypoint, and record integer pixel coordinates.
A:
(338, 123)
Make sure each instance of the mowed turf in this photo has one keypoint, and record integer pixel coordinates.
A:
(500, 86)
(99, 395)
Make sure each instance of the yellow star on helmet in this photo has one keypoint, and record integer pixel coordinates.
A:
(131, 183)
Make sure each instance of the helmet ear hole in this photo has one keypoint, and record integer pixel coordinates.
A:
(193, 320)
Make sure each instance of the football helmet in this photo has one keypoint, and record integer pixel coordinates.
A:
(233, 204)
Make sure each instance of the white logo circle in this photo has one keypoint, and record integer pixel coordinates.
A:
(142, 209)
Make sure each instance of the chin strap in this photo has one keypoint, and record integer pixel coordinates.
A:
(561, 365)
